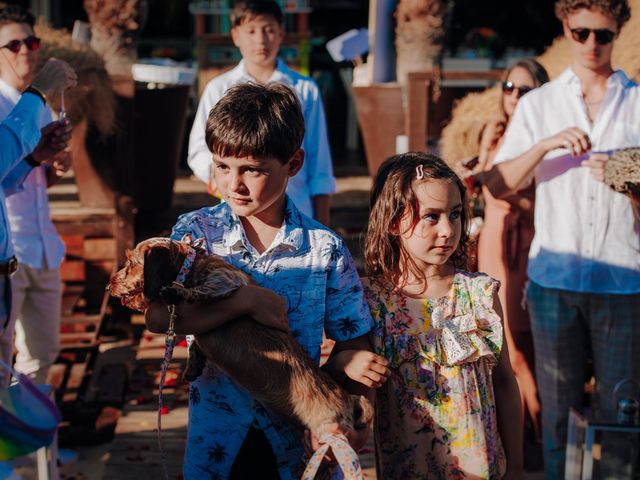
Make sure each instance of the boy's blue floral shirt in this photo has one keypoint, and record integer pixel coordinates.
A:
(312, 269)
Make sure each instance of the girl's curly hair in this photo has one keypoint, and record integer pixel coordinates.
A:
(392, 197)
(617, 9)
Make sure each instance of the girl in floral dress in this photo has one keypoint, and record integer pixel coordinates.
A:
(451, 407)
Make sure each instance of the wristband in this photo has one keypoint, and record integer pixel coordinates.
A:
(36, 91)
(31, 161)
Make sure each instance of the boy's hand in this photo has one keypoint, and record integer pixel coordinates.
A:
(357, 440)
(311, 443)
(266, 307)
(363, 366)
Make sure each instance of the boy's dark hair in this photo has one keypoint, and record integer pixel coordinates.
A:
(617, 9)
(256, 120)
(15, 14)
(244, 10)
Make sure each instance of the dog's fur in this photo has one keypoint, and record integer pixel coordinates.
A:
(270, 364)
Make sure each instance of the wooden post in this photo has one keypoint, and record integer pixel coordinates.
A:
(417, 111)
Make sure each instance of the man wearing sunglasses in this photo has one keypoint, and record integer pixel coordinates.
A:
(19, 134)
(584, 262)
(39, 250)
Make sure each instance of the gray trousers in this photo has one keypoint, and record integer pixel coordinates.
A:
(35, 320)
(569, 328)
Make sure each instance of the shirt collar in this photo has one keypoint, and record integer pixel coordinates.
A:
(282, 73)
(9, 91)
(290, 234)
(618, 79)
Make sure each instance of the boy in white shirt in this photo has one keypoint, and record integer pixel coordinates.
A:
(258, 32)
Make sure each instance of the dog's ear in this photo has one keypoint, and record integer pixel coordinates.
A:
(160, 270)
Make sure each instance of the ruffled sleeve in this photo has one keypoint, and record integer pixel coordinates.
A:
(450, 331)
(475, 330)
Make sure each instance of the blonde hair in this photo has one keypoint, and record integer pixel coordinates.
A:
(392, 196)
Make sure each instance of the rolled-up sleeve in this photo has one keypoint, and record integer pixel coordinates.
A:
(347, 313)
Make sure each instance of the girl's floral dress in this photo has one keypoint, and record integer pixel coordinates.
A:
(436, 415)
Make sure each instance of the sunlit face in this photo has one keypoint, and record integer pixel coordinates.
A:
(435, 236)
(254, 187)
(17, 69)
(258, 39)
(590, 54)
(519, 77)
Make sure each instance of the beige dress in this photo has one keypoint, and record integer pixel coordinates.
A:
(436, 414)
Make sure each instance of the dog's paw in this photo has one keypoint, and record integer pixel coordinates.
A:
(171, 295)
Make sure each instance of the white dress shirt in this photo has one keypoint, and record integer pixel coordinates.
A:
(316, 176)
(35, 239)
(586, 239)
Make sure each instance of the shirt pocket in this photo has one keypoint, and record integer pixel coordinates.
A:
(306, 316)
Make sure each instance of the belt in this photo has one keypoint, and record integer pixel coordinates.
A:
(8, 267)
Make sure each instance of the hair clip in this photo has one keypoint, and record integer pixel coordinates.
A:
(419, 172)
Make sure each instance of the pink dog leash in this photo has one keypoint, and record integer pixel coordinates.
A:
(170, 343)
(346, 457)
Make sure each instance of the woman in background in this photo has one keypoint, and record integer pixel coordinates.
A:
(503, 245)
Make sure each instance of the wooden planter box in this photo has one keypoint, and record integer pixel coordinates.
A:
(381, 119)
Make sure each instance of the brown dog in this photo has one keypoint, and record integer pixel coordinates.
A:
(269, 363)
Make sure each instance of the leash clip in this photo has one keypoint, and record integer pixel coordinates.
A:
(171, 331)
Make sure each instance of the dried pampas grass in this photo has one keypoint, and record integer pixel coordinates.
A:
(622, 171)
(93, 98)
(461, 137)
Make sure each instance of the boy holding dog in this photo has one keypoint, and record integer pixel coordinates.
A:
(306, 283)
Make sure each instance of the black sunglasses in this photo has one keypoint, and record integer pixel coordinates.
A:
(604, 36)
(509, 88)
(32, 43)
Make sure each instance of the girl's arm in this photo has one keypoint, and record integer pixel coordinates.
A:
(490, 137)
(508, 408)
(261, 304)
(353, 364)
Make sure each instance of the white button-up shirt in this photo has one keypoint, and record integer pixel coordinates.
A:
(35, 239)
(316, 176)
(586, 239)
